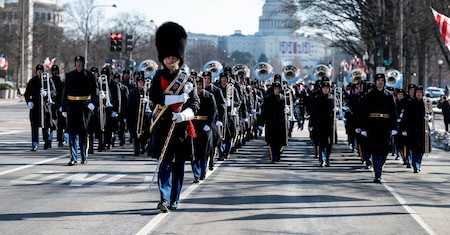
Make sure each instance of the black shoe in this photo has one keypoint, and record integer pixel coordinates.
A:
(34, 148)
(211, 168)
(84, 162)
(377, 180)
(90, 151)
(416, 170)
(163, 207)
(220, 159)
(195, 181)
(72, 163)
(202, 177)
(173, 206)
(368, 167)
(60, 144)
(408, 165)
(45, 146)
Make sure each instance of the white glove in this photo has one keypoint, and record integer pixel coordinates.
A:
(43, 93)
(102, 95)
(227, 103)
(244, 120)
(401, 115)
(399, 119)
(174, 99)
(206, 128)
(428, 117)
(364, 133)
(64, 114)
(358, 130)
(253, 111)
(186, 115)
(30, 105)
(260, 128)
(114, 114)
(335, 109)
(394, 132)
(404, 133)
(345, 108)
(91, 106)
(219, 123)
(286, 109)
(60, 109)
(144, 100)
(310, 128)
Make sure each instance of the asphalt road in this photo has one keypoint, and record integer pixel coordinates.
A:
(245, 194)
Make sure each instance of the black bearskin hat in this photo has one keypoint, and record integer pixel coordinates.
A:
(171, 39)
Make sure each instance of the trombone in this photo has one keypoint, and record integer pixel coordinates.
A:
(45, 81)
(143, 108)
(104, 94)
(337, 111)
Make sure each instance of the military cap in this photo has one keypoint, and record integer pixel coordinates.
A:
(193, 73)
(419, 88)
(277, 77)
(55, 67)
(94, 69)
(326, 83)
(105, 71)
(116, 75)
(206, 73)
(199, 79)
(410, 86)
(39, 67)
(223, 75)
(80, 58)
(126, 71)
(380, 75)
(227, 69)
(276, 84)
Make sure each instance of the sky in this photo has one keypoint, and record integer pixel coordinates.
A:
(215, 17)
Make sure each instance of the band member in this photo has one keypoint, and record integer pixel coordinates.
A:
(218, 128)
(124, 92)
(407, 148)
(39, 100)
(203, 123)
(415, 128)
(175, 105)
(232, 102)
(300, 105)
(400, 140)
(321, 122)
(94, 126)
(444, 105)
(273, 112)
(135, 113)
(379, 122)
(78, 102)
(60, 120)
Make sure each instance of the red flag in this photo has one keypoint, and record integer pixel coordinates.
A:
(444, 27)
(3, 62)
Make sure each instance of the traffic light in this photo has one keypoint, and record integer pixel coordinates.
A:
(129, 42)
(116, 41)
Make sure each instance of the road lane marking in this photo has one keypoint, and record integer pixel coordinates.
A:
(413, 214)
(31, 165)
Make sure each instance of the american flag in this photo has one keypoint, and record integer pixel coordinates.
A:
(444, 28)
(48, 63)
(3, 62)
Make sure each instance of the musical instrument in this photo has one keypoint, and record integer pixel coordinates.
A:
(149, 68)
(241, 70)
(356, 75)
(213, 66)
(428, 103)
(144, 108)
(393, 78)
(104, 94)
(290, 74)
(262, 71)
(45, 81)
(338, 99)
(320, 71)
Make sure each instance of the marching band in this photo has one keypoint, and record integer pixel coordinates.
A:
(175, 115)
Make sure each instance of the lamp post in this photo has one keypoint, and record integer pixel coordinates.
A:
(440, 62)
(86, 32)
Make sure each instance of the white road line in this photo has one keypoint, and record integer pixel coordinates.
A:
(405, 205)
(158, 218)
(11, 132)
(31, 165)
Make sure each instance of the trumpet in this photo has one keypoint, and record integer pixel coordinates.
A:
(46, 87)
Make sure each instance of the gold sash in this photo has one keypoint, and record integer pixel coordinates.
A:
(174, 88)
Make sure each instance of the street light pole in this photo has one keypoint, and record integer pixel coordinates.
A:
(440, 62)
(86, 32)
